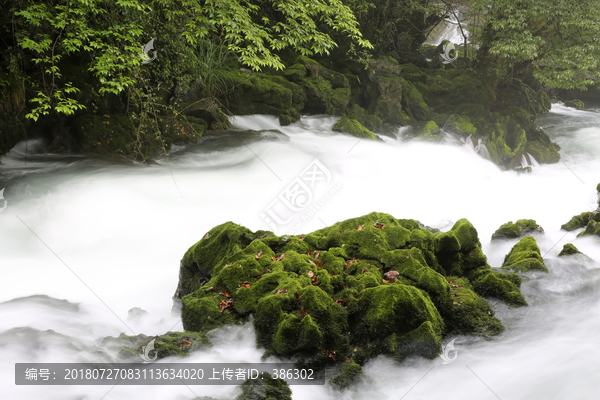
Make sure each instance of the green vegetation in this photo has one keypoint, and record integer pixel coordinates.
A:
(68, 66)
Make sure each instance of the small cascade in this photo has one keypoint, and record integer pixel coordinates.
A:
(482, 150)
(448, 30)
(532, 161)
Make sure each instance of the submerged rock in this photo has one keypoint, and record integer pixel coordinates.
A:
(568, 249)
(359, 288)
(525, 256)
(512, 230)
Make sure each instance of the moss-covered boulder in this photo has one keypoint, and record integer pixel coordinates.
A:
(384, 90)
(327, 91)
(398, 320)
(413, 102)
(517, 229)
(265, 387)
(587, 220)
(592, 228)
(360, 288)
(525, 256)
(215, 247)
(371, 121)
(502, 116)
(568, 249)
(428, 131)
(578, 221)
(578, 104)
(260, 93)
(169, 344)
(471, 313)
(354, 128)
(501, 286)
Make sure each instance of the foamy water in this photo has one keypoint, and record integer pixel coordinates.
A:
(109, 237)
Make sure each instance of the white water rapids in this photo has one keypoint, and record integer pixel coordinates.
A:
(110, 236)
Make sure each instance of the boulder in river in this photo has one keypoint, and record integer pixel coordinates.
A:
(568, 249)
(359, 288)
(525, 256)
(517, 229)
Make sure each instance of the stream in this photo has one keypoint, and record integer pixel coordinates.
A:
(83, 240)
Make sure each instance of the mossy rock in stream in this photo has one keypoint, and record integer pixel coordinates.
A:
(579, 221)
(169, 344)
(586, 219)
(349, 374)
(525, 256)
(568, 249)
(354, 128)
(259, 93)
(592, 228)
(360, 288)
(578, 104)
(517, 229)
(503, 117)
(265, 387)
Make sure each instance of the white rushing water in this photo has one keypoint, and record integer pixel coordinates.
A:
(108, 237)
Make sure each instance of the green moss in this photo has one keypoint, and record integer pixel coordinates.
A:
(258, 93)
(385, 314)
(578, 104)
(349, 374)
(592, 228)
(166, 345)
(430, 127)
(525, 256)
(295, 73)
(470, 313)
(413, 103)
(202, 314)
(265, 387)
(213, 250)
(326, 291)
(543, 152)
(512, 230)
(501, 286)
(353, 127)
(466, 234)
(568, 249)
(370, 121)
(446, 242)
(541, 103)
